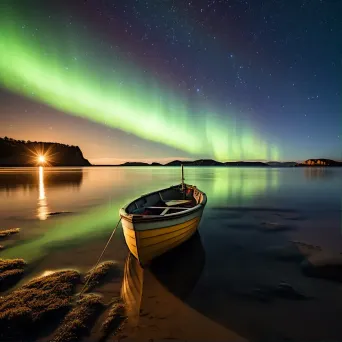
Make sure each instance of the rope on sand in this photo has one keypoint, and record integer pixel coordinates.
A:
(99, 259)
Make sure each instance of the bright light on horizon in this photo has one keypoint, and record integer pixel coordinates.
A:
(41, 159)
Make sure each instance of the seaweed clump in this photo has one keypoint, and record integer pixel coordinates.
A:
(42, 302)
(79, 321)
(115, 318)
(98, 275)
(8, 232)
(11, 271)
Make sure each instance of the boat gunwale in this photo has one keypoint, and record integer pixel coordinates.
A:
(153, 218)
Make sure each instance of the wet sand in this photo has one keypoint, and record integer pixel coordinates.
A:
(163, 316)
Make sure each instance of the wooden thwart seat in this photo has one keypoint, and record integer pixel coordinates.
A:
(176, 202)
(171, 208)
(166, 209)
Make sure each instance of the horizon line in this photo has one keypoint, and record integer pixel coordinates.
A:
(223, 162)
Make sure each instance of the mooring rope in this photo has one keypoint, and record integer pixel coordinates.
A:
(98, 261)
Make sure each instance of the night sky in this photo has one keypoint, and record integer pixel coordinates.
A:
(161, 80)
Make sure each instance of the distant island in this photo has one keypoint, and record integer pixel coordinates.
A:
(320, 162)
(31, 153)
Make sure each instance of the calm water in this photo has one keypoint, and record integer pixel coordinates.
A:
(241, 203)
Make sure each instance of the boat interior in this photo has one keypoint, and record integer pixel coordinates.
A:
(167, 201)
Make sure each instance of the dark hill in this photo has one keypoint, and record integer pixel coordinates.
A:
(24, 153)
(281, 164)
(200, 162)
(179, 163)
(134, 164)
(242, 163)
(207, 162)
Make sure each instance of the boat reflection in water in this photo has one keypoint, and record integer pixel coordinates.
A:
(174, 274)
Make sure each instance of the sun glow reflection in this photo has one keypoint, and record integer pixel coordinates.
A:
(42, 211)
(46, 273)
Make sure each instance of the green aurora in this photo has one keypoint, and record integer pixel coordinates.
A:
(54, 69)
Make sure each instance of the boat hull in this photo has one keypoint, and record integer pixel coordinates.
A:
(147, 240)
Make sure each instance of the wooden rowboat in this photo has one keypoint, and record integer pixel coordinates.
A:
(161, 220)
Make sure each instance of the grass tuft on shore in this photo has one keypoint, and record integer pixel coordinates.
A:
(96, 276)
(80, 320)
(8, 232)
(11, 264)
(9, 278)
(11, 271)
(40, 302)
(116, 316)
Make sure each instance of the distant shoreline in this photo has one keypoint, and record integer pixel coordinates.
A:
(21, 153)
(214, 163)
(236, 166)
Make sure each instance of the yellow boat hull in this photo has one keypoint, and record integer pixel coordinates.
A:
(147, 244)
